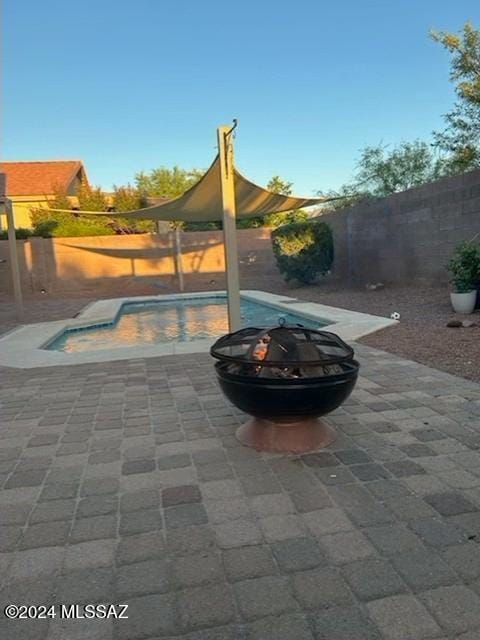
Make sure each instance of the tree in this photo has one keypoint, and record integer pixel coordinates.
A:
(276, 185)
(461, 137)
(91, 198)
(381, 172)
(167, 183)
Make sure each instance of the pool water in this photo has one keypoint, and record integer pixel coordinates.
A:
(171, 321)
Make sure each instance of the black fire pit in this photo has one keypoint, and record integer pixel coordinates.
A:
(286, 377)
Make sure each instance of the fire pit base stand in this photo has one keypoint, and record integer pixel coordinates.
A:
(286, 435)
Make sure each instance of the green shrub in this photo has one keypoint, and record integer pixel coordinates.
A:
(303, 250)
(465, 266)
(21, 233)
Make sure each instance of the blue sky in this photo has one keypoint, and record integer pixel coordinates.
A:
(129, 86)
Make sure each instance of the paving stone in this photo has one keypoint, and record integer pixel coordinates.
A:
(369, 515)
(319, 460)
(94, 528)
(457, 608)
(142, 577)
(83, 586)
(76, 629)
(464, 559)
(248, 562)
(286, 627)
(460, 479)
(427, 434)
(189, 539)
(140, 522)
(194, 570)
(53, 510)
(99, 486)
(196, 610)
(417, 450)
(214, 471)
(423, 570)
(138, 466)
(9, 537)
(186, 494)
(310, 499)
(282, 527)
(321, 588)
(218, 489)
(93, 554)
(96, 506)
(139, 547)
(338, 475)
(139, 500)
(148, 616)
(353, 456)
(208, 457)
(43, 439)
(438, 533)
(344, 623)
(350, 495)
(327, 521)
(227, 509)
(256, 485)
(173, 462)
(373, 579)
(401, 617)
(425, 485)
(103, 457)
(238, 533)
(36, 562)
(184, 515)
(410, 508)
(450, 504)
(404, 468)
(393, 539)
(270, 505)
(32, 478)
(369, 472)
(346, 546)
(45, 534)
(297, 554)
(267, 596)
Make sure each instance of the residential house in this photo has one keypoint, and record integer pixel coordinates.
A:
(32, 184)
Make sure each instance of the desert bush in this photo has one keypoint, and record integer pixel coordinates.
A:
(303, 250)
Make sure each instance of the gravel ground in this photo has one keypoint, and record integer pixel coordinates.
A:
(421, 335)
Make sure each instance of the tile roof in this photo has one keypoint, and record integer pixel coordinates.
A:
(39, 178)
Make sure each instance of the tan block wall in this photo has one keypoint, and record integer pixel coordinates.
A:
(82, 265)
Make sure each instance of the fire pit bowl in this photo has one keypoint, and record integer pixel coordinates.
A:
(286, 377)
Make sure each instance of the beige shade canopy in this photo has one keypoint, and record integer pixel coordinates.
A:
(203, 201)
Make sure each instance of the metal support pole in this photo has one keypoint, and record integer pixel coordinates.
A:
(227, 181)
(178, 258)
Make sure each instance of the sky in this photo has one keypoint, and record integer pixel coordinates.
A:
(128, 86)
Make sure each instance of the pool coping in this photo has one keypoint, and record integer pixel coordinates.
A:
(22, 347)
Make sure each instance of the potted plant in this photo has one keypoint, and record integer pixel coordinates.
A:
(465, 269)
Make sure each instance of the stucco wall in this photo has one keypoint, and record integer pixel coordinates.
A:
(83, 265)
(408, 236)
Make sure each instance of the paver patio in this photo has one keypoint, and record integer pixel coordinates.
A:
(123, 483)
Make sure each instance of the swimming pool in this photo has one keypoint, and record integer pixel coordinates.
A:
(181, 320)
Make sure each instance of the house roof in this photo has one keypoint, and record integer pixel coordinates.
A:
(40, 178)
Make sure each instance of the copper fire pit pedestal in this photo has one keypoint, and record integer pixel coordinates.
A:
(300, 434)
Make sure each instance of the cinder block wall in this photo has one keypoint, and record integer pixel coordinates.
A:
(408, 236)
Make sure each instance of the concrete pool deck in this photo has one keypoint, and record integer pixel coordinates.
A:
(23, 346)
(123, 482)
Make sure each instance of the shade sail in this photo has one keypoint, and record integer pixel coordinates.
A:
(203, 201)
